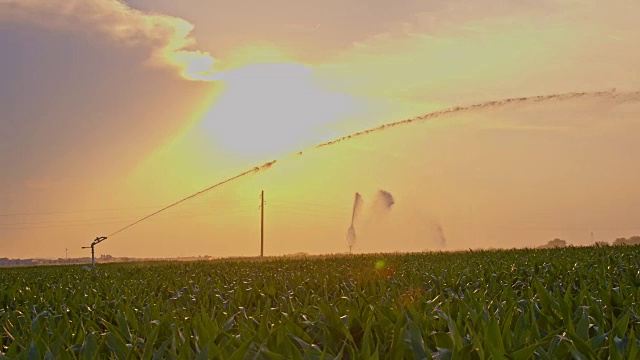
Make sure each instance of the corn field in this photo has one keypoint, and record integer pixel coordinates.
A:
(579, 303)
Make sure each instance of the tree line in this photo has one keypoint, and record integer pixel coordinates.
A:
(556, 243)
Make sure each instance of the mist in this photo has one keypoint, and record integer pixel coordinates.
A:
(355, 213)
(357, 208)
(439, 236)
(383, 202)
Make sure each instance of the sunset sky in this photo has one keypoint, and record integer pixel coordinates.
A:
(112, 109)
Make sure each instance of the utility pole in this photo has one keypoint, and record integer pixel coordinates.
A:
(262, 223)
(592, 242)
(66, 253)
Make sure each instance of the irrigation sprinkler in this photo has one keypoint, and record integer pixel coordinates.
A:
(95, 242)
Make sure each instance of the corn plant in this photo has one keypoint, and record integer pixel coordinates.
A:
(579, 303)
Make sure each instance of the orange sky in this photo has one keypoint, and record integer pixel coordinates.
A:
(113, 109)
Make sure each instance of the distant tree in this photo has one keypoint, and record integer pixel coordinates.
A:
(555, 243)
(634, 240)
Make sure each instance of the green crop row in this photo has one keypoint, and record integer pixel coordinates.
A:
(579, 303)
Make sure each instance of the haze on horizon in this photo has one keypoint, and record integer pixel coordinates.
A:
(113, 109)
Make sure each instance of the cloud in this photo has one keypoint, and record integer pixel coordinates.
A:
(463, 54)
(168, 38)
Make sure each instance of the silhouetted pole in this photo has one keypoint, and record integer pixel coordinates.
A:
(262, 223)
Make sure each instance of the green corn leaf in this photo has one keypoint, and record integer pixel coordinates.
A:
(582, 330)
(89, 349)
(415, 340)
(119, 347)
(33, 353)
(525, 353)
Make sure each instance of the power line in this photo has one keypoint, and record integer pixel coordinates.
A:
(124, 218)
(307, 214)
(317, 211)
(287, 202)
(60, 226)
(92, 210)
(239, 210)
(77, 211)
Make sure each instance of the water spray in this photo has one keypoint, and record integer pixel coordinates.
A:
(256, 169)
(442, 240)
(621, 97)
(351, 236)
(384, 200)
(351, 232)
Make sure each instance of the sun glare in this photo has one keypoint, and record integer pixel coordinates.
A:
(273, 109)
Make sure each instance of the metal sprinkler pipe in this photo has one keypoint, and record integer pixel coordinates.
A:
(93, 251)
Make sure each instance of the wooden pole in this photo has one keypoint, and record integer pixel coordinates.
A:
(262, 223)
